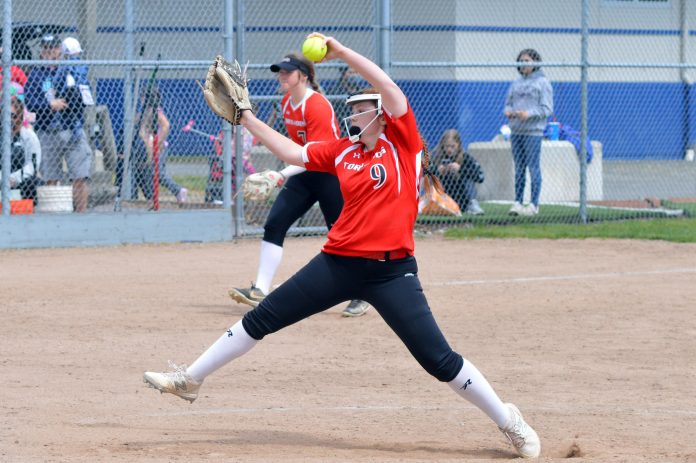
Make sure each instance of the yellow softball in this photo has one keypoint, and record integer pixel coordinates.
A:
(314, 49)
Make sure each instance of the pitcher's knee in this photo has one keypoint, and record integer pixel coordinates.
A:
(446, 368)
(274, 232)
(255, 324)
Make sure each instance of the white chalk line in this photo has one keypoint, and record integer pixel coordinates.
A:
(578, 276)
(403, 408)
(351, 409)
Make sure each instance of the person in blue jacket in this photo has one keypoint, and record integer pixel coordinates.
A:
(58, 96)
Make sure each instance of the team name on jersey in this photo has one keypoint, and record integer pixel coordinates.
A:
(294, 122)
(357, 155)
(353, 166)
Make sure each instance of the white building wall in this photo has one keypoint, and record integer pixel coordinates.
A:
(490, 31)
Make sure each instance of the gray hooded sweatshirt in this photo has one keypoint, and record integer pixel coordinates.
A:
(532, 93)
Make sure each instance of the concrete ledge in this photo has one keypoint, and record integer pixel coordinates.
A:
(649, 179)
(104, 229)
(560, 172)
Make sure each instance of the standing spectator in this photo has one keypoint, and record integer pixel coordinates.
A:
(58, 98)
(25, 157)
(153, 116)
(528, 104)
(39, 96)
(458, 171)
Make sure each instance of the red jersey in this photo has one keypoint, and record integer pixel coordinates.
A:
(380, 188)
(312, 119)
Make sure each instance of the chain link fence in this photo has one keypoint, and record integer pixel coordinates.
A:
(620, 72)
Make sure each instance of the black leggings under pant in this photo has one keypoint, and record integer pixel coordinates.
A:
(392, 287)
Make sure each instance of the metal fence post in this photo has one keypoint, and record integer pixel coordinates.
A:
(128, 126)
(239, 168)
(583, 109)
(684, 75)
(226, 127)
(6, 121)
(384, 36)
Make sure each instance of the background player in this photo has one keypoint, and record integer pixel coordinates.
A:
(308, 117)
(369, 252)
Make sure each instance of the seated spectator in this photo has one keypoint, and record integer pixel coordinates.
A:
(25, 157)
(458, 171)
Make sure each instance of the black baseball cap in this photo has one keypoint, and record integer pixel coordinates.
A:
(290, 63)
(50, 40)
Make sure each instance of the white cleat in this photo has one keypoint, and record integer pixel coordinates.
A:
(516, 209)
(530, 210)
(521, 435)
(176, 382)
(474, 208)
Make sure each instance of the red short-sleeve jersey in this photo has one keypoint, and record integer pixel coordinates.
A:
(380, 188)
(312, 119)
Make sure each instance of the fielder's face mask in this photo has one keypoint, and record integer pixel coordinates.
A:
(354, 132)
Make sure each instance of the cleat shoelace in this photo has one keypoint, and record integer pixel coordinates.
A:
(517, 433)
(177, 375)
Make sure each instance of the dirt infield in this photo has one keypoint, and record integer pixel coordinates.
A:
(594, 340)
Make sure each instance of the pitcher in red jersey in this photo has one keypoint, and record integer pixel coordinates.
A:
(369, 252)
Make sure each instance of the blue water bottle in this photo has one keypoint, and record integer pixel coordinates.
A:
(554, 130)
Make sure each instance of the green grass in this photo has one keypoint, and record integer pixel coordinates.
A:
(193, 183)
(677, 230)
(688, 208)
(559, 222)
(497, 214)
